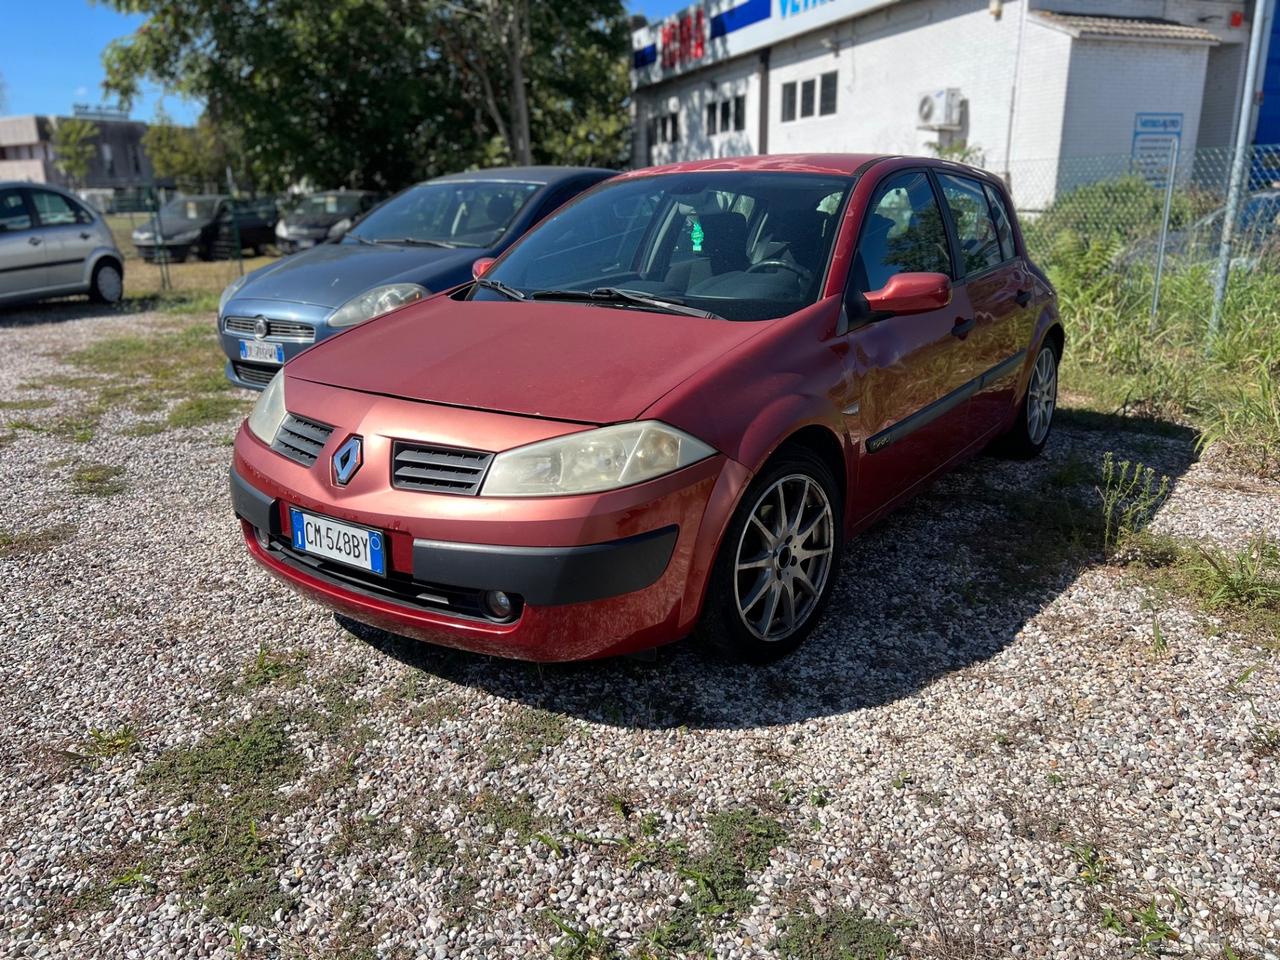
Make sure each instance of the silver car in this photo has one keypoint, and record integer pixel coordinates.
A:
(52, 245)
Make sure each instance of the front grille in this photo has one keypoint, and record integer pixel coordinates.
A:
(400, 587)
(276, 329)
(254, 373)
(301, 439)
(432, 469)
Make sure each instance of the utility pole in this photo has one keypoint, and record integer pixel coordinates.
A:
(1263, 11)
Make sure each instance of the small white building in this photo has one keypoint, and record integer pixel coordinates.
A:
(1032, 87)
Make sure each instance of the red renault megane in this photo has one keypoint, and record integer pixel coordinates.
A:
(668, 406)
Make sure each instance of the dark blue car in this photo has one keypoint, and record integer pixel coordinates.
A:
(422, 240)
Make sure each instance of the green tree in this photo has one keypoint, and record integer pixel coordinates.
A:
(378, 93)
(196, 157)
(73, 146)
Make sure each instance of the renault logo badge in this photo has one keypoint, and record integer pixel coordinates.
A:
(347, 460)
(261, 328)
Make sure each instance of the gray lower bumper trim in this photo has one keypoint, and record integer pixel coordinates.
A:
(547, 576)
(253, 505)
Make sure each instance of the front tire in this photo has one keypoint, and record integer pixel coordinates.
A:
(1030, 430)
(777, 562)
(107, 284)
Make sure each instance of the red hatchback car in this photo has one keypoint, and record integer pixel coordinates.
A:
(670, 404)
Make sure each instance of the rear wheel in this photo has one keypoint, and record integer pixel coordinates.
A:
(107, 285)
(1030, 430)
(777, 562)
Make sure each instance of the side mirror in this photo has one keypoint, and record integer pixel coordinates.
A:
(911, 293)
(480, 266)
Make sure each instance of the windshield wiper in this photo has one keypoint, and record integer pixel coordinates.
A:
(511, 293)
(365, 240)
(415, 242)
(620, 296)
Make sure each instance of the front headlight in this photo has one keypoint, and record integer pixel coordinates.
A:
(593, 460)
(141, 236)
(281, 230)
(230, 292)
(269, 412)
(376, 302)
(339, 228)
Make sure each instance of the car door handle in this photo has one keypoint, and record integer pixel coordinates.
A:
(1023, 297)
(85, 234)
(34, 241)
(963, 326)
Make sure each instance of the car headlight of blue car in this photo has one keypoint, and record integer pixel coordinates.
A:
(375, 302)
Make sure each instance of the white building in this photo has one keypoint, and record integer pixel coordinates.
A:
(1030, 85)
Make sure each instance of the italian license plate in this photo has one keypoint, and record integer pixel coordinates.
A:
(261, 351)
(306, 244)
(354, 546)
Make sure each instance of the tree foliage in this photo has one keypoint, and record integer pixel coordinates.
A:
(378, 93)
(73, 147)
(198, 157)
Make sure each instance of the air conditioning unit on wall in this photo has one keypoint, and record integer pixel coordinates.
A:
(939, 109)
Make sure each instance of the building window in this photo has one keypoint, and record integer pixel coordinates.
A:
(712, 113)
(827, 98)
(725, 119)
(806, 98)
(788, 102)
(740, 112)
(675, 128)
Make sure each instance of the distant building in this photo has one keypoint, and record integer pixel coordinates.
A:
(119, 161)
(1044, 89)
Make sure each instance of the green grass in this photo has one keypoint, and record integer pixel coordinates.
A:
(839, 934)
(741, 842)
(523, 736)
(33, 543)
(98, 480)
(1241, 586)
(1225, 388)
(104, 744)
(232, 777)
(283, 667)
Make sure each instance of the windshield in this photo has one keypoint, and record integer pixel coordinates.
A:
(743, 246)
(458, 213)
(329, 204)
(189, 208)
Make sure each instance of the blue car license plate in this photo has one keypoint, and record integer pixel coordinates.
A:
(261, 352)
(343, 542)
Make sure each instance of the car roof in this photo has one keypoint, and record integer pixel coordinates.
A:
(831, 164)
(10, 184)
(533, 174)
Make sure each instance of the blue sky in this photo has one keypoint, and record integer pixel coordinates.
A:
(57, 57)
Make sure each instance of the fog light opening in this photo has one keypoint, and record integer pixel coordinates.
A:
(264, 541)
(499, 605)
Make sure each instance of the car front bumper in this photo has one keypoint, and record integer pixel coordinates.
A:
(255, 375)
(595, 574)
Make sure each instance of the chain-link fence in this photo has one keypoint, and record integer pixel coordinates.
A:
(189, 243)
(1149, 226)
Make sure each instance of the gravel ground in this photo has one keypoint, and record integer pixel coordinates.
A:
(1065, 765)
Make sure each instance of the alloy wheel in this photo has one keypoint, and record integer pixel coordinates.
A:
(784, 557)
(1042, 395)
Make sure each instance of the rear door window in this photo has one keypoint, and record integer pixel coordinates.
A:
(980, 247)
(1004, 228)
(55, 210)
(13, 211)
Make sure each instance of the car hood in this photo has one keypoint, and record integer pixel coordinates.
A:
(331, 274)
(563, 361)
(171, 227)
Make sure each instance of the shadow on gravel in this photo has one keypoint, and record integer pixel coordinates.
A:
(61, 311)
(946, 582)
